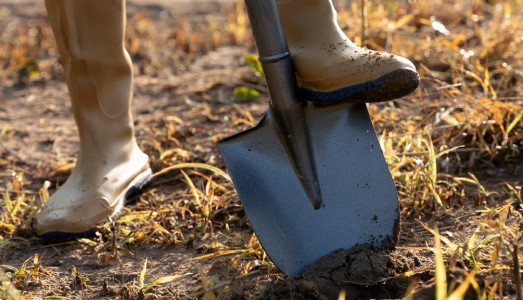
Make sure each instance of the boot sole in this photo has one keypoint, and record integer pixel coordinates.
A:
(388, 87)
(133, 189)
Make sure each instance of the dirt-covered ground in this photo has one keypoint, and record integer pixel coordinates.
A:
(184, 102)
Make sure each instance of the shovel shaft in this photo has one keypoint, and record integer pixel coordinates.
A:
(276, 61)
(267, 28)
(288, 111)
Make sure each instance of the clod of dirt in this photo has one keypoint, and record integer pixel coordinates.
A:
(363, 272)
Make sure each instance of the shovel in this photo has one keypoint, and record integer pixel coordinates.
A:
(312, 179)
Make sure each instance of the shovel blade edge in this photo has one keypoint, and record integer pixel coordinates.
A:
(360, 203)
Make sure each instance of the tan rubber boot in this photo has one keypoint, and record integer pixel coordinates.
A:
(98, 70)
(330, 68)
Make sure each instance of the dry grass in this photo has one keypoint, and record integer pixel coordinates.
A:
(450, 145)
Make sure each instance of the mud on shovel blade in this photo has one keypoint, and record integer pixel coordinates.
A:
(300, 154)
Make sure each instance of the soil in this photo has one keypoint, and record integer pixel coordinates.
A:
(46, 139)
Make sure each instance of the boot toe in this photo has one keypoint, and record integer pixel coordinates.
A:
(73, 221)
(55, 223)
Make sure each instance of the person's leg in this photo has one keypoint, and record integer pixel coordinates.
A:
(98, 70)
(330, 68)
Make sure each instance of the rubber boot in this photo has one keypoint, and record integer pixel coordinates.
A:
(98, 71)
(330, 68)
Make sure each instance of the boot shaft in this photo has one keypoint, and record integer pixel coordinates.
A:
(308, 20)
(98, 71)
(90, 39)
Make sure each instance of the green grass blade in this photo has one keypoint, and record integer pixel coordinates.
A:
(513, 123)
(142, 274)
(8, 203)
(441, 273)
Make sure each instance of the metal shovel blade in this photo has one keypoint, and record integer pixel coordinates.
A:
(312, 179)
(359, 197)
